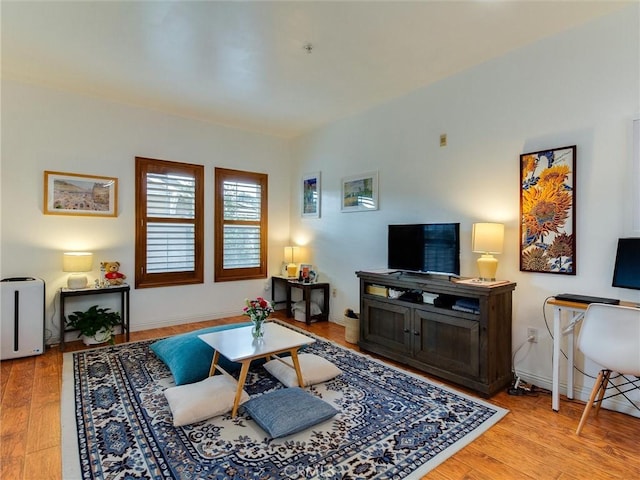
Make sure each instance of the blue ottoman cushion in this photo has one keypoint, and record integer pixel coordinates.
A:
(189, 358)
(287, 411)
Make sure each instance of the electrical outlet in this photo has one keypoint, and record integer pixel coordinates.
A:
(334, 292)
(532, 334)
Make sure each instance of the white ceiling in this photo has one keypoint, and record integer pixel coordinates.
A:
(243, 64)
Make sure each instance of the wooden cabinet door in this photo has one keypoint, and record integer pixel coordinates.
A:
(449, 342)
(387, 325)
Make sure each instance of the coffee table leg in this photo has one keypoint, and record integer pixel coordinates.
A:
(241, 379)
(214, 362)
(296, 365)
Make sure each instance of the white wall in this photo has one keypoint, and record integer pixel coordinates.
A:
(45, 129)
(579, 88)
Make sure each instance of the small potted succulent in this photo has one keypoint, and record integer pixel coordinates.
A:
(95, 325)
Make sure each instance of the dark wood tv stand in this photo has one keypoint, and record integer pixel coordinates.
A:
(470, 349)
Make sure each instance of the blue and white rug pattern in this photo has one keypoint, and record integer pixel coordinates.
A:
(392, 424)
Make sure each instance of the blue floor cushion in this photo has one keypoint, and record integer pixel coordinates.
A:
(189, 358)
(287, 411)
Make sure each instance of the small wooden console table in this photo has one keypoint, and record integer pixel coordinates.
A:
(306, 288)
(123, 290)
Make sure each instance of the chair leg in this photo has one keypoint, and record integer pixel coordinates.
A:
(605, 382)
(597, 386)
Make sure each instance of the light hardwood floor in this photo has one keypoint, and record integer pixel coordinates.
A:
(531, 442)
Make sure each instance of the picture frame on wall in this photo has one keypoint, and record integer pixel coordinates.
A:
(547, 211)
(81, 195)
(311, 195)
(360, 192)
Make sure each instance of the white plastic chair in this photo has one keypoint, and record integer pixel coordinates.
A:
(610, 336)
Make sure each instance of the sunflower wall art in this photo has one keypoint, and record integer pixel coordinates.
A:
(547, 217)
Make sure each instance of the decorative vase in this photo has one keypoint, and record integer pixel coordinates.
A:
(258, 327)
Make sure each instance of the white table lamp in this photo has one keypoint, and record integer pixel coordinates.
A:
(487, 239)
(77, 263)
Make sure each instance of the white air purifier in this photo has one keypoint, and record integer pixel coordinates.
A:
(22, 322)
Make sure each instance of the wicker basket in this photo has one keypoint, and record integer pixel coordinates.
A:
(352, 329)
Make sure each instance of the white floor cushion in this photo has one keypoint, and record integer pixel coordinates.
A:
(314, 369)
(198, 401)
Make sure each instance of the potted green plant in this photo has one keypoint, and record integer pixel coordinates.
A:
(95, 325)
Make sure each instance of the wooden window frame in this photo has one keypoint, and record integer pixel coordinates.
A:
(220, 273)
(165, 279)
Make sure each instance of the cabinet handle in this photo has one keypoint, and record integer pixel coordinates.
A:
(406, 330)
(416, 333)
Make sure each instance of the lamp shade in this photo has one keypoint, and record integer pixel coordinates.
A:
(487, 237)
(77, 262)
(289, 253)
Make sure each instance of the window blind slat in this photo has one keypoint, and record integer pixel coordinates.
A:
(170, 196)
(241, 246)
(242, 201)
(170, 248)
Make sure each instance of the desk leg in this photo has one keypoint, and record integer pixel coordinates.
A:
(273, 291)
(557, 338)
(296, 365)
(570, 347)
(241, 379)
(125, 311)
(62, 322)
(307, 304)
(325, 310)
(288, 289)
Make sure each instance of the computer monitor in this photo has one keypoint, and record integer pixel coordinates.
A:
(626, 273)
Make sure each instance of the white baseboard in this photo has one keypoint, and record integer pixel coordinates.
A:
(147, 324)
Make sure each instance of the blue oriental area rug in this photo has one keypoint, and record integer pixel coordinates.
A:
(391, 424)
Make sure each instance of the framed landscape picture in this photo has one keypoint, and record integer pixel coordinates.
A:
(311, 195)
(360, 192)
(547, 211)
(75, 194)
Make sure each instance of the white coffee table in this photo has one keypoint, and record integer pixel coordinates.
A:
(238, 345)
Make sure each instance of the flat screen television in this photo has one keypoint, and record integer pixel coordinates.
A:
(626, 273)
(429, 247)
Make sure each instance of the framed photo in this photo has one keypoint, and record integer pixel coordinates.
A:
(311, 195)
(547, 211)
(360, 192)
(75, 194)
(306, 270)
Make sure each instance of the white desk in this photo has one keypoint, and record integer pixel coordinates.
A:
(564, 325)
(566, 315)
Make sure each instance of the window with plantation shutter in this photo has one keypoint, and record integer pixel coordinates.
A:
(169, 223)
(240, 225)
